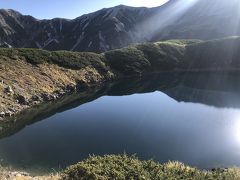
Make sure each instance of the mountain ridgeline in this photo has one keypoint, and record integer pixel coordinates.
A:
(117, 27)
(100, 31)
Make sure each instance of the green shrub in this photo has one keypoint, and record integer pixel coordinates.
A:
(11, 53)
(35, 56)
(77, 60)
(122, 167)
(184, 41)
(221, 54)
(74, 60)
(127, 61)
(162, 56)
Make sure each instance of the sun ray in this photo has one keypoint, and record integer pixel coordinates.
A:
(170, 13)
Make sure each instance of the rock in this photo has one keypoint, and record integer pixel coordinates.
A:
(5, 45)
(24, 174)
(22, 100)
(36, 98)
(48, 97)
(219, 169)
(81, 84)
(9, 89)
(12, 109)
(1, 128)
(8, 114)
(35, 103)
(18, 175)
(70, 88)
(2, 114)
(54, 97)
(61, 93)
(45, 97)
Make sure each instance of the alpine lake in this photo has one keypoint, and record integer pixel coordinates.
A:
(193, 118)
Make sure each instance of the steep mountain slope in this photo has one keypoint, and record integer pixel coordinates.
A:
(120, 26)
(100, 31)
(200, 19)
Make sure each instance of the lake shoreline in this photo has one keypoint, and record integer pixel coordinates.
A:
(40, 99)
(97, 166)
(30, 77)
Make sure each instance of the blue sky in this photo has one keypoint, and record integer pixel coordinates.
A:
(45, 9)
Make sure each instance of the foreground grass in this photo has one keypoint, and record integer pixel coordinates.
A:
(7, 174)
(124, 167)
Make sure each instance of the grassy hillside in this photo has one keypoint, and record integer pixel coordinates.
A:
(184, 55)
(31, 76)
(140, 58)
(215, 54)
(65, 59)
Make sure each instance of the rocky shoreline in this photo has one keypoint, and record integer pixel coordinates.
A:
(30, 77)
(24, 85)
(35, 100)
(12, 114)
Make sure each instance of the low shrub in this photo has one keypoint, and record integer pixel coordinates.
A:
(123, 167)
(73, 60)
(162, 56)
(127, 60)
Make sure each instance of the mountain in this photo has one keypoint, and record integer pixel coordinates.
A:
(61, 72)
(117, 27)
(199, 19)
(99, 31)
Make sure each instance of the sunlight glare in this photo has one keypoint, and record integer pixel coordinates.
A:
(145, 3)
(155, 24)
(236, 130)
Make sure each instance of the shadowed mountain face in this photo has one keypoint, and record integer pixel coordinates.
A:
(100, 31)
(200, 19)
(121, 25)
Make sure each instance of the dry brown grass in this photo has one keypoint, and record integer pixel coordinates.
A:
(27, 79)
(8, 174)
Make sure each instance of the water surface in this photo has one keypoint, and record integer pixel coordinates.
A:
(193, 118)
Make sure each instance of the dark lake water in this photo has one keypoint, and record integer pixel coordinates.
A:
(193, 118)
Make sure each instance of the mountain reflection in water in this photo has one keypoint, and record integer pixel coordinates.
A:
(193, 118)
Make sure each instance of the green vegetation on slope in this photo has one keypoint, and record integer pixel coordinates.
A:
(27, 73)
(215, 54)
(124, 167)
(184, 55)
(148, 57)
(127, 60)
(163, 56)
(143, 58)
(66, 59)
(30, 76)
